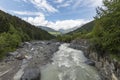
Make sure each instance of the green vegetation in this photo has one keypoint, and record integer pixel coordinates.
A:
(47, 29)
(69, 38)
(50, 30)
(13, 31)
(55, 33)
(114, 56)
(82, 32)
(105, 35)
(85, 28)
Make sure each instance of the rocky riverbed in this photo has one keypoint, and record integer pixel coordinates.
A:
(25, 62)
(109, 69)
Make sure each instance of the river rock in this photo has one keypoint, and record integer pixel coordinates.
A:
(20, 57)
(108, 68)
(89, 62)
(31, 74)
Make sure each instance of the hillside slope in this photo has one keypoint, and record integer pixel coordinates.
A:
(13, 31)
(50, 30)
(47, 29)
(85, 28)
(82, 32)
(33, 32)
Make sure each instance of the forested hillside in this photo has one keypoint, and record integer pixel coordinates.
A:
(85, 28)
(13, 31)
(105, 35)
(82, 32)
(47, 29)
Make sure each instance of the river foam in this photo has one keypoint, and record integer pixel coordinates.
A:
(68, 64)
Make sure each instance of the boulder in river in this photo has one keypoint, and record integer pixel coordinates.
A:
(31, 74)
(89, 62)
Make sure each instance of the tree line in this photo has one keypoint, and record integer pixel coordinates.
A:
(13, 31)
(105, 35)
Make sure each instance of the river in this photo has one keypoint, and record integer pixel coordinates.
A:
(68, 64)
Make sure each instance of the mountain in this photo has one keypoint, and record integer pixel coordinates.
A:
(47, 29)
(67, 30)
(13, 31)
(81, 32)
(7, 21)
(50, 30)
(85, 28)
(62, 30)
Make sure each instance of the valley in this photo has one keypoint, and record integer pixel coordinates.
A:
(49, 40)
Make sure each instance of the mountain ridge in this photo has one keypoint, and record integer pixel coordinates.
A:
(84, 28)
(47, 29)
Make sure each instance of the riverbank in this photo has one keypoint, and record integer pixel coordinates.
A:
(25, 62)
(69, 64)
(109, 69)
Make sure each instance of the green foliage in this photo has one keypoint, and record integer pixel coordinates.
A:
(55, 33)
(13, 31)
(8, 43)
(114, 56)
(69, 38)
(106, 33)
(65, 38)
(82, 32)
(84, 29)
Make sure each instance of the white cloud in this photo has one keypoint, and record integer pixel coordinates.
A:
(63, 24)
(97, 3)
(39, 20)
(26, 13)
(78, 3)
(43, 4)
(65, 4)
(46, 5)
(59, 1)
(87, 3)
(66, 24)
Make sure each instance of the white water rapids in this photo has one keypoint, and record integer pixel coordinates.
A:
(68, 64)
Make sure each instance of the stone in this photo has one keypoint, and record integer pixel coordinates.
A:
(89, 62)
(20, 57)
(31, 74)
(114, 77)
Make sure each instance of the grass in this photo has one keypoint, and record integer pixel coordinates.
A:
(55, 33)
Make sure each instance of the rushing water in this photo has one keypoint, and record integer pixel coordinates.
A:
(68, 64)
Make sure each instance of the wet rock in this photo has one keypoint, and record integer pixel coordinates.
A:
(20, 57)
(32, 53)
(89, 62)
(108, 68)
(31, 74)
(58, 43)
(28, 57)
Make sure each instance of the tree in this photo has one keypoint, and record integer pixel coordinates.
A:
(107, 27)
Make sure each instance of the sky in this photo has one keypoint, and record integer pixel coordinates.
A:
(56, 14)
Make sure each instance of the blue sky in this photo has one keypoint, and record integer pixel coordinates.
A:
(56, 14)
